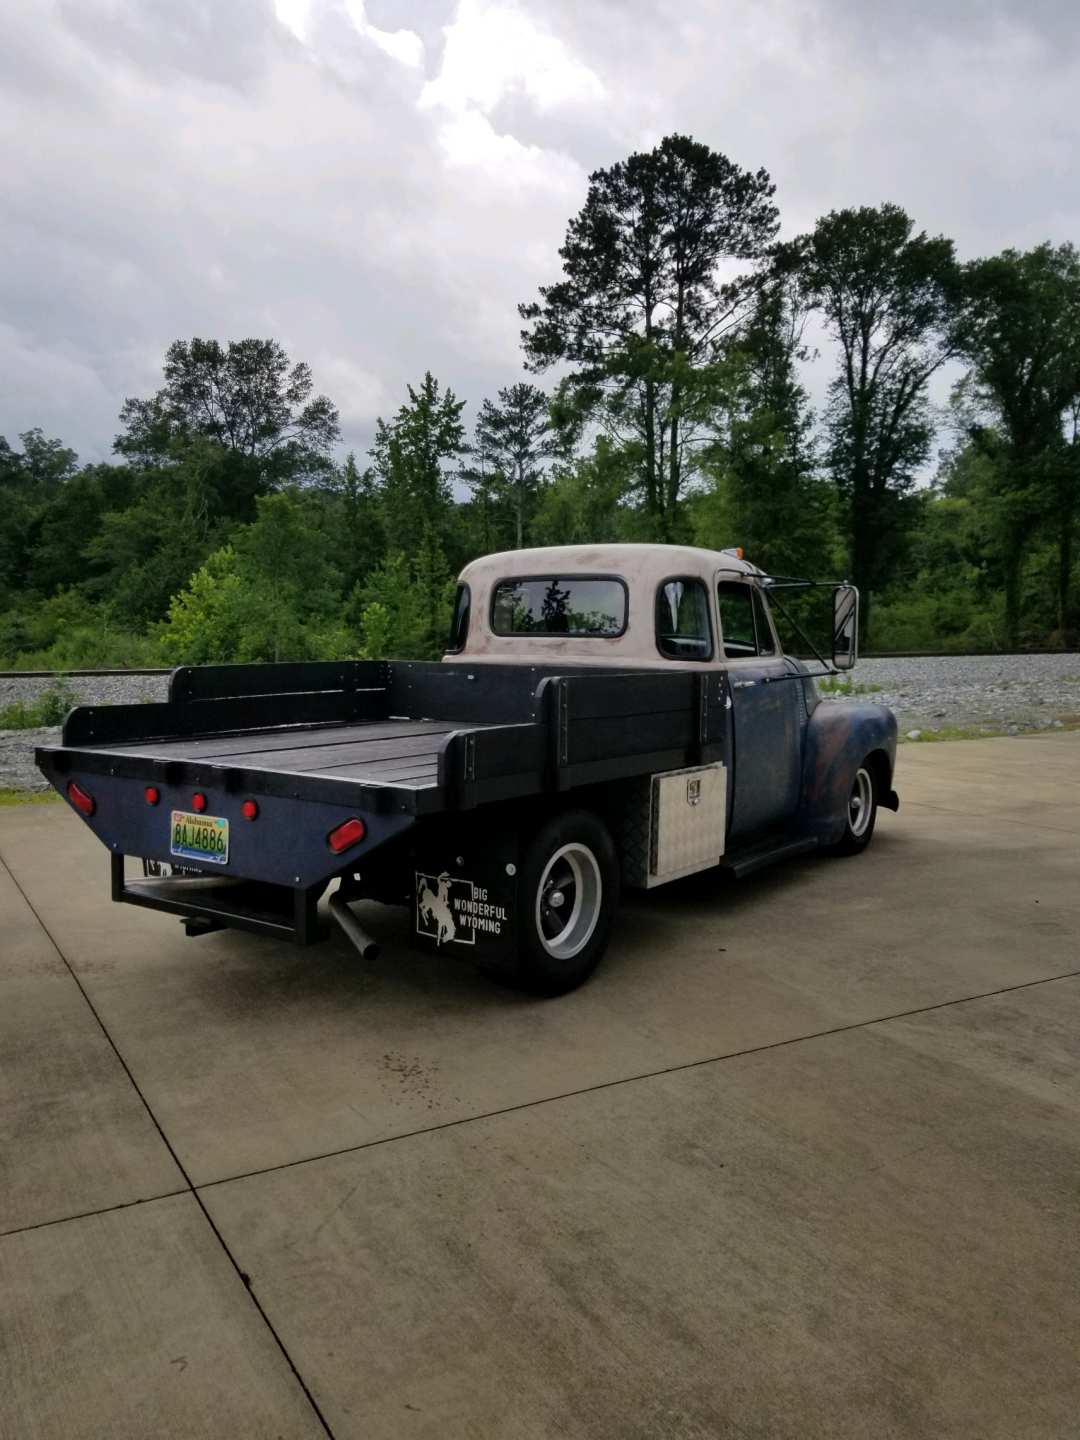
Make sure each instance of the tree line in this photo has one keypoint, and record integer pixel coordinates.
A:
(676, 339)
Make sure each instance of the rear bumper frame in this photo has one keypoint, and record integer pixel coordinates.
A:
(281, 911)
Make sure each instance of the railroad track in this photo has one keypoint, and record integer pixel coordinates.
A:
(75, 674)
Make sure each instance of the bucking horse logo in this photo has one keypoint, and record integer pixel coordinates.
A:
(433, 915)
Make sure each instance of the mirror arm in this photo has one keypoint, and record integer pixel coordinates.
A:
(801, 633)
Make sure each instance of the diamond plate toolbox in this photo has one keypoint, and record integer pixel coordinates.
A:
(686, 832)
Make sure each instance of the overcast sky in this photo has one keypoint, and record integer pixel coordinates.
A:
(377, 185)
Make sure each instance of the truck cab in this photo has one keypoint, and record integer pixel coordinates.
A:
(663, 607)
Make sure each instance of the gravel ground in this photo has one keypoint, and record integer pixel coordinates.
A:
(1014, 693)
(993, 692)
(17, 768)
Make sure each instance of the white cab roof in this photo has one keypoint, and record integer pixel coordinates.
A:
(642, 567)
(630, 561)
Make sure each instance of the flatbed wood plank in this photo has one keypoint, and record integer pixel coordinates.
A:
(269, 741)
(318, 757)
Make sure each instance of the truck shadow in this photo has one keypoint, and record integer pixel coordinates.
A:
(246, 973)
(264, 975)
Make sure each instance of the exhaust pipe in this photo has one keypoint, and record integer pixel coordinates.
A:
(339, 909)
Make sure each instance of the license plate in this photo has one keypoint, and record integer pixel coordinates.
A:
(199, 837)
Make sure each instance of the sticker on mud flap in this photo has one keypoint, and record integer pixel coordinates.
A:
(453, 911)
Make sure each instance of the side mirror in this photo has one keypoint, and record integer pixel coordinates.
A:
(845, 629)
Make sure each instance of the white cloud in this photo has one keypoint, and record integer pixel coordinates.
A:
(295, 15)
(359, 395)
(404, 46)
(494, 48)
(271, 167)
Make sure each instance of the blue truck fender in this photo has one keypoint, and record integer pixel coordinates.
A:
(839, 737)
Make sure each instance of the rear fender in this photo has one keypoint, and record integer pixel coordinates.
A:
(839, 736)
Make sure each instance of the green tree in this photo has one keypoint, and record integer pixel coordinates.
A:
(585, 499)
(68, 524)
(765, 492)
(403, 607)
(271, 595)
(249, 402)
(145, 549)
(641, 305)
(412, 460)
(1020, 331)
(359, 541)
(886, 296)
(206, 616)
(512, 442)
(30, 481)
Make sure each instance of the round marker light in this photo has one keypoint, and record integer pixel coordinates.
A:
(152, 794)
(250, 810)
(198, 802)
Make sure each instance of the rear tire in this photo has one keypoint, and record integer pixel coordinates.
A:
(862, 807)
(567, 902)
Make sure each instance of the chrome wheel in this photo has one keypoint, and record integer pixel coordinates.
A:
(568, 900)
(861, 804)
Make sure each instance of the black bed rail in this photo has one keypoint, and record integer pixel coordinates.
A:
(591, 728)
(203, 683)
(221, 699)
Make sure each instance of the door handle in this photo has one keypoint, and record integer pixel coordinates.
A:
(742, 684)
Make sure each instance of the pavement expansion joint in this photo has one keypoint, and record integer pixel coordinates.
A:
(191, 1189)
(90, 1214)
(643, 1075)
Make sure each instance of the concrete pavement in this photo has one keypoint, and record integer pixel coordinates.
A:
(801, 1160)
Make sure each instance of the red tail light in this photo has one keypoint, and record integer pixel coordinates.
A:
(80, 799)
(350, 833)
(151, 794)
(198, 801)
(250, 810)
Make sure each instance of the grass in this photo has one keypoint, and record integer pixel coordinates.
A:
(954, 732)
(984, 732)
(834, 685)
(27, 797)
(49, 708)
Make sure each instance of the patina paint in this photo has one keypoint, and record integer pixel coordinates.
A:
(838, 739)
(799, 759)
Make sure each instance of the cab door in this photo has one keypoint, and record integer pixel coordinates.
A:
(768, 713)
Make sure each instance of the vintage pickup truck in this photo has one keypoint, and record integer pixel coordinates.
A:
(605, 715)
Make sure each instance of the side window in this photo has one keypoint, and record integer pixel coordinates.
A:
(736, 604)
(683, 631)
(459, 624)
(765, 643)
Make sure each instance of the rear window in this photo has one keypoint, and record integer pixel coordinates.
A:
(559, 605)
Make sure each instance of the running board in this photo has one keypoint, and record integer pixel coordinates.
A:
(746, 862)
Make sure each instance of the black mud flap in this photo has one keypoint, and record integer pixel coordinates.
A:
(465, 894)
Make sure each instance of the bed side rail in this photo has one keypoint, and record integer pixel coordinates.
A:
(218, 699)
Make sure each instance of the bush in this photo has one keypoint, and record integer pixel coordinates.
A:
(48, 709)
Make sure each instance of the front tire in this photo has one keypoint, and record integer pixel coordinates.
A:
(568, 897)
(861, 815)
